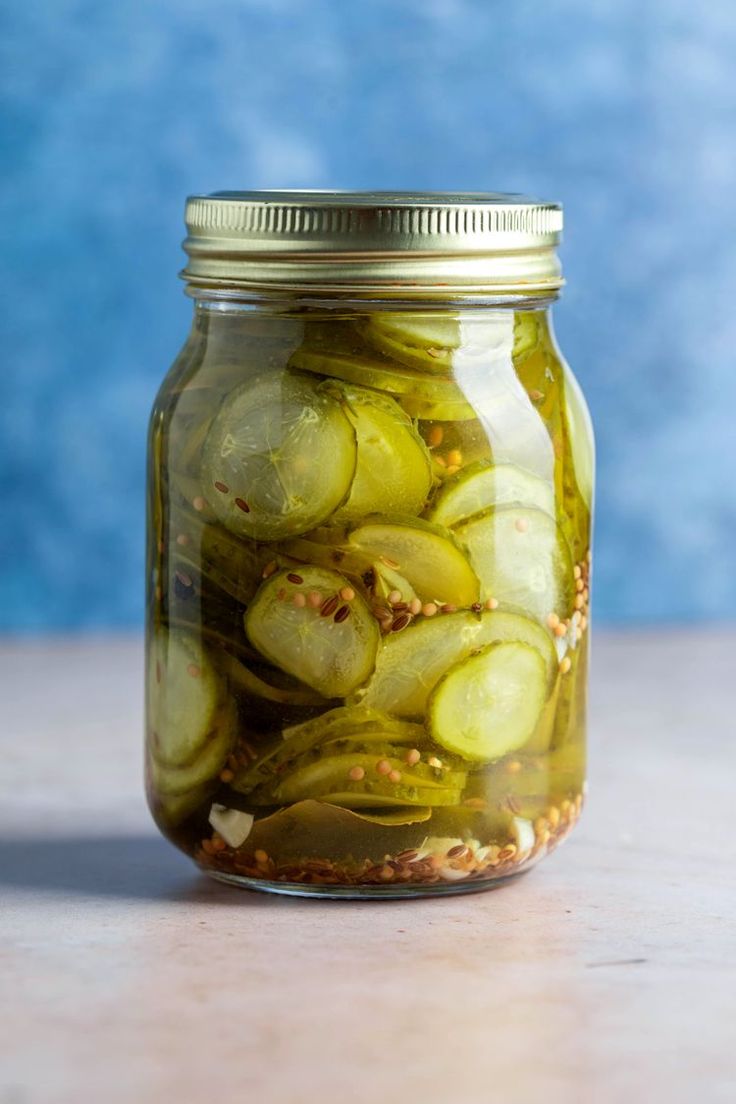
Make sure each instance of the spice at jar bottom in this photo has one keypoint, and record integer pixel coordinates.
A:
(369, 514)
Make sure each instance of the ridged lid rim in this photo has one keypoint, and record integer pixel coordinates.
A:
(373, 241)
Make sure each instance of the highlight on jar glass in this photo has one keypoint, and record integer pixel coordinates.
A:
(369, 516)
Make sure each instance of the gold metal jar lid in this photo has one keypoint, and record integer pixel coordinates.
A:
(400, 244)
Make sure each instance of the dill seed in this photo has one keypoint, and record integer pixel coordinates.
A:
(269, 569)
(342, 614)
(221, 487)
(401, 622)
(329, 606)
(457, 851)
(294, 578)
(242, 505)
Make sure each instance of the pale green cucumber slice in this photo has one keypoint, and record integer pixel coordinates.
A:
(242, 678)
(489, 704)
(381, 376)
(394, 469)
(279, 458)
(333, 657)
(172, 809)
(184, 695)
(526, 334)
(424, 554)
(402, 797)
(410, 663)
(332, 774)
(208, 763)
(580, 434)
(423, 341)
(365, 726)
(438, 409)
(391, 818)
(522, 559)
(483, 484)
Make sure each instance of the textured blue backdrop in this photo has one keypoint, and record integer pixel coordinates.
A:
(113, 112)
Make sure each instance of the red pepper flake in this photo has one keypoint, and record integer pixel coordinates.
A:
(242, 505)
(222, 487)
(342, 614)
(294, 578)
(329, 606)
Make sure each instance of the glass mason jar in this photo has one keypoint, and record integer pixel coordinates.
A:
(369, 522)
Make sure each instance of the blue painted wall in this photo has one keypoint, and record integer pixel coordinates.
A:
(111, 113)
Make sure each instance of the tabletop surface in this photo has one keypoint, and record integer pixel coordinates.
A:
(606, 974)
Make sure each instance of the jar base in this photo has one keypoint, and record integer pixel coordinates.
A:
(368, 892)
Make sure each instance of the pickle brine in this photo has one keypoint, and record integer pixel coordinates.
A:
(369, 570)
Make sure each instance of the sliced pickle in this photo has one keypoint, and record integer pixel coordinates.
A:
(250, 683)
(331, 651)
(410, 663)
(489, 704)
(522, 559)
(388, 819)
(207, 764)
(394, 470)
(423, 341)
(424, 554)
(185, 694)
(279, 458)
(484, 484)
(172, 809)
(379, 375)
(387, 581)
(345, 723)
(526, 334)
(341, 774)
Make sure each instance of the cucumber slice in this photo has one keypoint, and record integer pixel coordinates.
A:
(526, 334)
(330, 775)
(389, 819)
(250, 683)
(401, 798)
(484, 484)
(380, 376)
(423, 341)
(489, 704)
(205, 767)
(410, 664)
(285, 454)
(172, 809)
(184, 694)
(425, 555)
(343, 724)
(581, 439)
(522, 559)
(394, 470)
(332, 656)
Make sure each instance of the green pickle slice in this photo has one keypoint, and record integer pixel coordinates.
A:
(426, 342)
(279, 458)
(410, 664)
(185, 694)
(394, 469)
(482, 485)
(522, 559)
(426, 555)
(328, 649)
(355, 780)
(489, 704)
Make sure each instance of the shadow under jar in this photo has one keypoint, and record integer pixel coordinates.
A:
(369, 505)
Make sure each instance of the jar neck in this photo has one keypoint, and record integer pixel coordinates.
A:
(237, 301)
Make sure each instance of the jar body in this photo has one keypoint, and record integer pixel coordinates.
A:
(368, 596)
